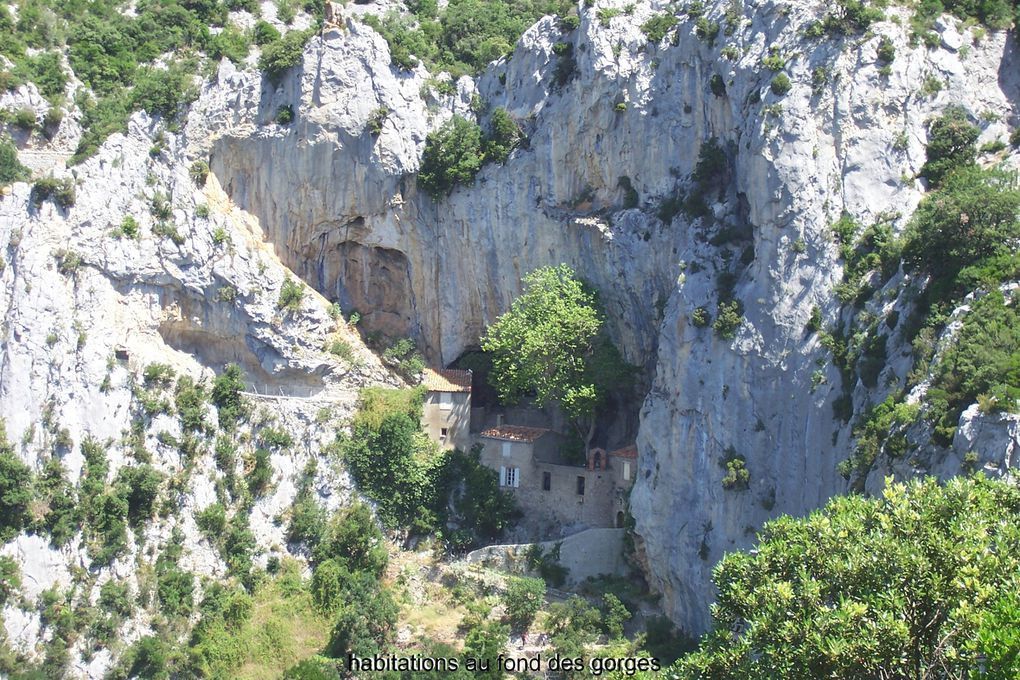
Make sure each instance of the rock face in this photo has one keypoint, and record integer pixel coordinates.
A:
(612, 140)
(343, 208)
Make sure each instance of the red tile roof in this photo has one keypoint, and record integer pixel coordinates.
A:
(514, 433)
(625, 452)
(446, 380)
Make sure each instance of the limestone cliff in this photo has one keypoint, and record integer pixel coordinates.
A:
(343, 207)
(328, 199)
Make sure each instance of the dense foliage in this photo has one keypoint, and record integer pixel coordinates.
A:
(918, 583)
(552, 343)
(453, 155)
(465, 36)
(973, 215)
(416, 486)
(11, 169)
(15, 490)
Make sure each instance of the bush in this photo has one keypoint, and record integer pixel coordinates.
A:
(700, 317)
(841, 586)
(364, 623)
(523, 598)
(280, 55)
(291, 295)
(212, 521)
(60, 191)
(284, 114)
(190, 400)
(951, 145)
(656, 28)
(503, 137)
(11, 169)
(199, 172)
(15, 491)
(781, 84)
(376, 120)
(886, 50)
(706, 30)
(452, 156)
(729, 316)
(261, 473)
(226, 394)
(175, 588)
(230, 43)
(851, 16)
(353, 538)
(972, 216)
(264, 33)
(737, 477)
(394, 465)
(140, 487)
(614, 614)
(163, 91)
(128, 228)
(24, 119)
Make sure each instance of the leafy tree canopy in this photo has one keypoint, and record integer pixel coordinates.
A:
(552, 344)
(919, 583)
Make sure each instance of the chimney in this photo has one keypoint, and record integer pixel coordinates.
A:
(499, 419)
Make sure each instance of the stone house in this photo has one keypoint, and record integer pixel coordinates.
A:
(446, 413)
(531, 466)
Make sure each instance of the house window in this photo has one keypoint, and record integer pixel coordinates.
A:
(445, 401)
(506, 449)
(509, 476)
(442, 432)
(546, 481)
(580, 485)
(626, 470)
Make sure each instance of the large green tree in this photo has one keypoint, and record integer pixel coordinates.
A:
(552, 343)
(917, 584)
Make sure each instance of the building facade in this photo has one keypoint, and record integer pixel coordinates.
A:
(531, 466)
(446, 413)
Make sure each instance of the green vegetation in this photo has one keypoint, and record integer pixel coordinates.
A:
(886, 50)
(284, 114)
(951, 144)
(462, 38)
(199, 172)
(729, 315)
(737, 477)
(523, 598)
(60, 191)
(917, 583)
(392, 463)
(982, 364)
(847, 17)
(11, 170)
(279, 56)
(15, 490)
(503, 137)
(291, 295)
(970, 218)
(656, 28)
(553, 343)
(226, 394)
(405, 358)
(453, 155)
(781, 84)
(416, 486)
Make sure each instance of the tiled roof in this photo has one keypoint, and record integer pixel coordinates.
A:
(446, 380)
(514, 433)
(625, 452)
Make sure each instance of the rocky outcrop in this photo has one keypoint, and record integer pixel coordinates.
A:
(612, 140)
(343, 208)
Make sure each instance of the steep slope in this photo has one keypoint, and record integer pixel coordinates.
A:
(348, 215)
(619, 147)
